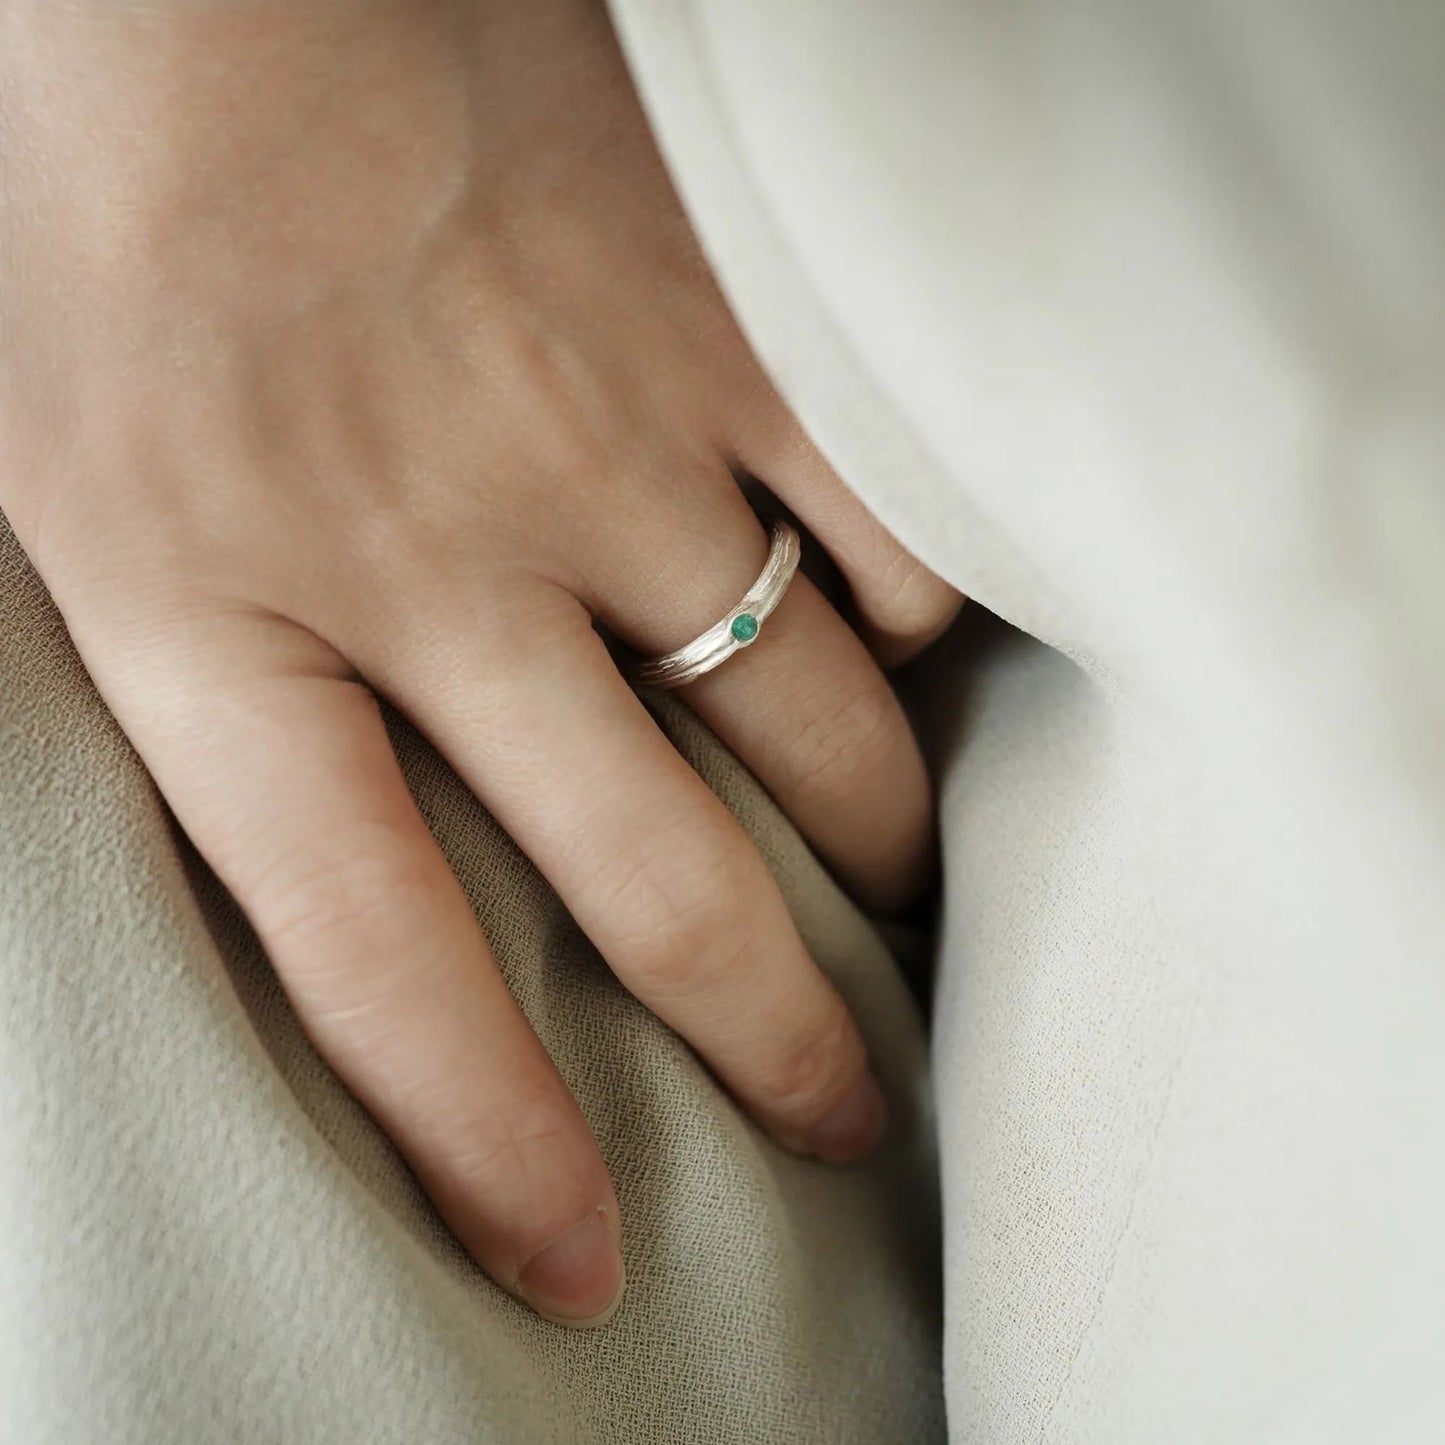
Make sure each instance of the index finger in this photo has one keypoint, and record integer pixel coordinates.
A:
(279, 767)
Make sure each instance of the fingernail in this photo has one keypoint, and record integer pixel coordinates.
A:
(577, 1279)
(855, 1127)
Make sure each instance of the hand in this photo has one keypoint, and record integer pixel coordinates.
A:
(361, 348)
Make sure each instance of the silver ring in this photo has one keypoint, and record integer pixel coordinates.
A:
(741, 626)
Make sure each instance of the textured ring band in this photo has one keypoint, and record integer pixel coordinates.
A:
(739, 628)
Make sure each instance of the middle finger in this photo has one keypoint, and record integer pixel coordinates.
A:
(654, 868)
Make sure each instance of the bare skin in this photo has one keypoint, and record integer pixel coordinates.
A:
(362, 349)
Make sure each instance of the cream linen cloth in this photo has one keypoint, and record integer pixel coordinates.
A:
(1130, 319)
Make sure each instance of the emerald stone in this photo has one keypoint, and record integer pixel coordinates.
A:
(745, 627)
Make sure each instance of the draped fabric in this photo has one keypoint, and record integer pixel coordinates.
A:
(1128, 319)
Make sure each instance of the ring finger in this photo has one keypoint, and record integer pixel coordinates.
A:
(806, 706)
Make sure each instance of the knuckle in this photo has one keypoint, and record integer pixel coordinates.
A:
(364, 893)
(813, 1068)
(520, 1143)
(849, 737)
(694, 949)
(911, 601)
(673, 918)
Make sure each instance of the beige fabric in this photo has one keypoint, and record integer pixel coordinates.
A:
(203, 1239)
(1128, 318)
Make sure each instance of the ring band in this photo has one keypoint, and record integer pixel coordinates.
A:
(741, 626)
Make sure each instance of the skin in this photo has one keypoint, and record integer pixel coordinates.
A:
(354, 350)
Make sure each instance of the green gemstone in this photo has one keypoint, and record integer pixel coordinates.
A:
(745, 627)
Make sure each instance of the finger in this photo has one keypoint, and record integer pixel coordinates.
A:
(806, 706)
(808, 710)
(654, 868)
(901, 605)
(280, 770)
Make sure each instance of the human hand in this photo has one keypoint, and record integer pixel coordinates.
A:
(361, 348)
